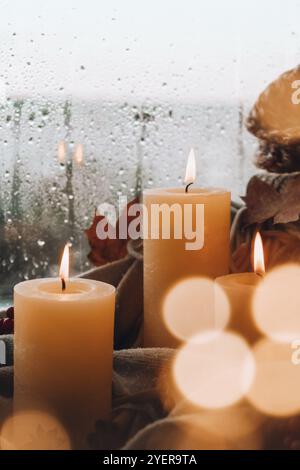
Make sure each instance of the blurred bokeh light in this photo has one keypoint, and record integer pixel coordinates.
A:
(276, 388)
(214, 370)
(33, 430)
(276, 304)
(189, 308)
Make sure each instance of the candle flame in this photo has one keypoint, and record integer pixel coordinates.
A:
(78, 154)
(61, 151)
(259, 260)
(190, 173)
(64, 265)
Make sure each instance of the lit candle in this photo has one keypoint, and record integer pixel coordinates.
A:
(168, 260)
(239, 290)
(63, 349)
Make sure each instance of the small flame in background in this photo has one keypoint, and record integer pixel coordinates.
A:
(190, 172)
(78, 154)
(61, 152)
(64, 265)
(259, 259)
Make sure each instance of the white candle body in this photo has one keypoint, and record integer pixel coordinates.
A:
(166, 262)
(63, 351)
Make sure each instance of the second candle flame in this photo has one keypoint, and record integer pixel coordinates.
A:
(190, 173)
(259, 260)
(64, 267)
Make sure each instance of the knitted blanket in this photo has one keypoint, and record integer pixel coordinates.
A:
(147, 413)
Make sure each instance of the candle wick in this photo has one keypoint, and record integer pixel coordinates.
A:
(187, 187)
(63, 284)
(260, 274)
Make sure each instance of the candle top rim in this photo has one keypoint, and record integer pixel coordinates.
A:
(193, 191)
(247, 280)
(50, 288)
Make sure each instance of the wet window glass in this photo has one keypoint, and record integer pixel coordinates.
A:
(101, 99)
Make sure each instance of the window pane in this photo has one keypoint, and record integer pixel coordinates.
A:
(101, 98)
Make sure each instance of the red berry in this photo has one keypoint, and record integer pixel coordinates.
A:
(10, 312)
(8, 326)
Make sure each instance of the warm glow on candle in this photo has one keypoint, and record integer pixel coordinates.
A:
(64, 266)
(259, 260)
(190, 173)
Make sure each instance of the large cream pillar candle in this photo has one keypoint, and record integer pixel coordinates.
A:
(63, 351)
(168, 261)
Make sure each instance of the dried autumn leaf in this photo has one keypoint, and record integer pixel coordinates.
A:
(105, 251)
(273, 197)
